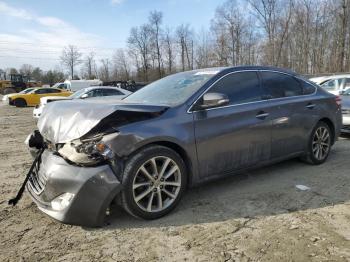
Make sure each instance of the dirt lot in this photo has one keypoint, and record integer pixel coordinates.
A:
(259, 216)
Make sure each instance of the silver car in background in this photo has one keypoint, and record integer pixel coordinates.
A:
(88, 92)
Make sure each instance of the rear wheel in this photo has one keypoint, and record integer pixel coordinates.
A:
(20, 102)
(153, 182)
(320, 143)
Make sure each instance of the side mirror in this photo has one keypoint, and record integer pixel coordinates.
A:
(214, 100)
(84, 96)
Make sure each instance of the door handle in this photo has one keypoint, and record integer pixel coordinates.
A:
(310, 105)
(262, 115)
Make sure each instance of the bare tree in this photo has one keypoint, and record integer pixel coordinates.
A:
(139, 40)
(71, 57)
(185, 38)
(121, 64)
(105, 70)
(26, 70)
(203, 50)
(169, 53)
(90, 66)
(229, 16)
(155, 20)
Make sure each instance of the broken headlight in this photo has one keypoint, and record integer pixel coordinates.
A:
(87, 152)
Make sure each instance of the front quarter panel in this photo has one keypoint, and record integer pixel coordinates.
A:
(174, 126)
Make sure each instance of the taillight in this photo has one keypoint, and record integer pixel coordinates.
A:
(338, 100)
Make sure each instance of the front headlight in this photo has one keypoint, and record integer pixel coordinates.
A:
(86, 152)
(62, 201)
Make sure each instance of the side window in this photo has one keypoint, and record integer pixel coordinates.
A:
(308, 88)
(240, 88)
(111, 92)
(91, 93)
(43, 91)
(330, 84)
(280, 85)
(98, 92)
(54, 91)
(347, 83)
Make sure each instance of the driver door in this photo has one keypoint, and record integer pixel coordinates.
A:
(237, 135)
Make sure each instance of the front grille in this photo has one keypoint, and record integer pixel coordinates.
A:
(37, 180)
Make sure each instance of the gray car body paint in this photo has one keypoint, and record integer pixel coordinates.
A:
(207, 137)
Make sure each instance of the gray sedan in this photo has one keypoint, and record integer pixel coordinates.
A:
(182, 130)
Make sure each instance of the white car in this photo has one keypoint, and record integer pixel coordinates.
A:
(25, 91)
(336, 84)
(75, 85)
(89, 92)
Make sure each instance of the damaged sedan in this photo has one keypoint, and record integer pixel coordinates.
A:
(187, 128)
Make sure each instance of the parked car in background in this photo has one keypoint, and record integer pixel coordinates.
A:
(32, 98)
(336, 84)
(346, 111)
(318, 79)
(75, 85)
(184, 129)
(89, 92)
(25, 91)
(60, 85)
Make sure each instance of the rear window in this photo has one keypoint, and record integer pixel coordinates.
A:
(308, 88)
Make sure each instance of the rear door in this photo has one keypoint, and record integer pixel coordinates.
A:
(235, 136)
(292, 112)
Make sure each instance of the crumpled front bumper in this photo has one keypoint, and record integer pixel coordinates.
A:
(93, 187)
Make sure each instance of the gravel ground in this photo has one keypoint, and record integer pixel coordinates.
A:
(258, 216)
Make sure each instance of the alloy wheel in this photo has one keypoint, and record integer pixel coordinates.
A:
(156, 184)
(321, 143)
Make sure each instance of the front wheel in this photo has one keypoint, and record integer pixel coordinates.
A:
(20, 102)
(319, 144)
(153, 182)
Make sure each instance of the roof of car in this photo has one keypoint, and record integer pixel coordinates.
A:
(337, 76)
(245, 68)
(104, 87)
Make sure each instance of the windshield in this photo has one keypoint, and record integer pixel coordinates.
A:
(25, 91)
(77, 94)
(56, 85)
(330, 84)
(172, 90)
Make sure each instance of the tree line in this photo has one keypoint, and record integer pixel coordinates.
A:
(308, 36)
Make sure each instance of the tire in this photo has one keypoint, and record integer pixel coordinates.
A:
(20, 102)
(136, 199)
(323, 144)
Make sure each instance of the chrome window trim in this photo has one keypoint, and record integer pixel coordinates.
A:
(254, 102)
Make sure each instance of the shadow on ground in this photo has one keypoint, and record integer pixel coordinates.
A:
(263, 192)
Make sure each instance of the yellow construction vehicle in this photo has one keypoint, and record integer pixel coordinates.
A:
(14, 83)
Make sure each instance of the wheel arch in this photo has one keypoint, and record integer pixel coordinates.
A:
(179, 150)
(20, 98)
(331, 126)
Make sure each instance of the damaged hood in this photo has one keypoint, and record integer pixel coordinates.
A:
(64, 121)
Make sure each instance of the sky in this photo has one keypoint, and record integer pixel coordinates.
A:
(35, 31)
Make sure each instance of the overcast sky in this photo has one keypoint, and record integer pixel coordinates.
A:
(35, 31)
